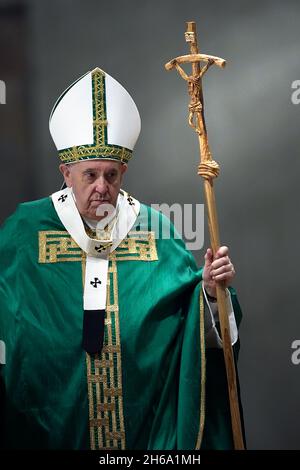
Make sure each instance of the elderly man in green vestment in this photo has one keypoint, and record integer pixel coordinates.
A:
(108, 330)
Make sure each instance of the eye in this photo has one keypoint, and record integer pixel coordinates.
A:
(111, 175)
(90, 175)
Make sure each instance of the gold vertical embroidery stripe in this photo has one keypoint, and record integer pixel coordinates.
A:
(203, 372)
(99, 111)
(104, 378)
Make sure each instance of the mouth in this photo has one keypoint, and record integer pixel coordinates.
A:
(96, 202)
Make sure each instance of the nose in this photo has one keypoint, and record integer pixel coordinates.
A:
(101, 185)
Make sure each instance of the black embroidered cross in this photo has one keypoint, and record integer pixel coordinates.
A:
(63, 197)
(95, 282)
(130, 201)
(100, 248)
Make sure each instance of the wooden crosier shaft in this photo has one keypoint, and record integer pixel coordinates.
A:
(224, 322)
(215, 244)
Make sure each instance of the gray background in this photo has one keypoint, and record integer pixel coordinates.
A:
(253, 129)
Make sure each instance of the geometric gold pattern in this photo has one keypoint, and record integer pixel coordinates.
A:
(57, 246)
(104, 379)
(137, 246)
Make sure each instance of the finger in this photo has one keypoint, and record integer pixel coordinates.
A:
(208, 257)
(227, 277)
(217, 263)
(222, 251)
(228, 270)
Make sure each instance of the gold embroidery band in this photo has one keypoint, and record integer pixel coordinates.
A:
(138, 246)
(104, 378)
(57, 246)
(99, 149)
(94, 151)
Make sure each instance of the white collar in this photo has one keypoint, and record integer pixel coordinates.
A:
(68, 214)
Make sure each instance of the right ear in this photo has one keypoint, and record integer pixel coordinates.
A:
(66, 171)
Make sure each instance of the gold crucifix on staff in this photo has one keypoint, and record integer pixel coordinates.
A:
(209, 169)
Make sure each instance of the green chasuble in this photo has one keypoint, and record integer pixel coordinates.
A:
(154, 386)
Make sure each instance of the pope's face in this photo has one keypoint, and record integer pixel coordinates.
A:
(94, 182)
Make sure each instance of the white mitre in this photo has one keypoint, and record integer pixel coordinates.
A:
(95, 118)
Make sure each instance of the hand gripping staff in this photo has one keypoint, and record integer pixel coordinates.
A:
(209, 169)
